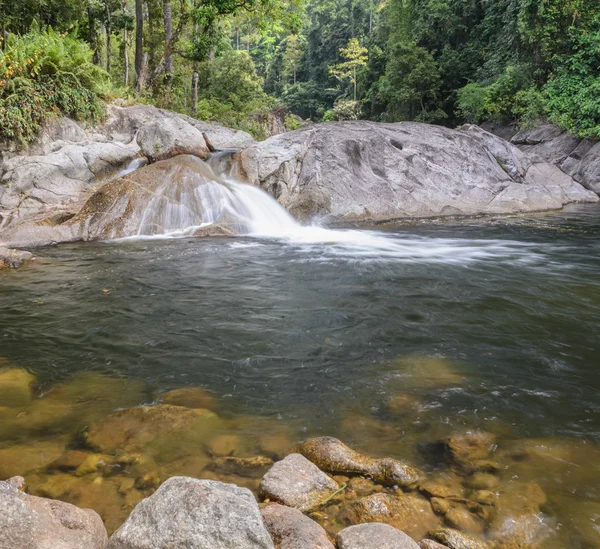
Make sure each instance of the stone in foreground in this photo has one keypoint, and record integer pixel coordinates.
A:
(374, 536)
(430, 544)
(455, 539)
(296, 482)
(29, 522)
(13, 259)
(290, 529)
(189, 513)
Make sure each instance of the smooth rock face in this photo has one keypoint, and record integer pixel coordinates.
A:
(29, 522)
(290, 529)
(296, 482)
(162, 139)
(370, 171)
(188, 513)
(373, 536)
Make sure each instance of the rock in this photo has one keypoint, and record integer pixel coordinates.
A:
(255, 466)
(455, 539)
(15, 386)
(482, 481)
(70, 460)
(468, 450)
(440, 505)
(465, 521)
(93, 463)
(440, 487)
(373, 536)
(367, 171)
(224, 445)
(13, 259)
(19, 459)
(485, 497)
(583, 165)
(189, 397)
(430, 544)
(169, 137)
(523, 532)
(29, 522)
(276, 446)
(18, 483)
(186, 512)
(163, 432)
(400, 405)
(334, 457)
(408, 512)
(290, 529)
(296, 482)
(361, 487)
(220, 137)
(427, 372)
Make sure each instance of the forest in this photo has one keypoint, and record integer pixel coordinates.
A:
(447, 62)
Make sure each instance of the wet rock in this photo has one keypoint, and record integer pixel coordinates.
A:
(29, 522)
(470, 451)
(18, 483)
(403, 404)
(334, 457)
(290, 529)
(296, 482)
(13, 259)
(94, 463)
(186, 512)
(441, 488)
(224, 445)
(164, 431)
(523, 532)
(373, 536)
(482, 481)
(408, 512)
(70, 460)
(455, 539)
(430, 544)
(189, 397)
(360, 487)
(22, 458)
(485, 497)
(440, 505)
(460, 518)
(15, 386)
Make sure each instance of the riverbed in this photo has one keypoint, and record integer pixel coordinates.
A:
(387, 338)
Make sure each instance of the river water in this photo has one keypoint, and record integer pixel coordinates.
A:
(489, 324)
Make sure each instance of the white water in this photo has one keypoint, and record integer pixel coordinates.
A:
(181, 207)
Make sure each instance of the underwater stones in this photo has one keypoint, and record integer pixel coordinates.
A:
(189, 397)
(462, 519)
(470, 451)
(93, 463)
(69, 461)
(186, 512)
(162, 139)
(161, 429)
(482, 481)
(275, 445)
(427, 372)
(30, 522)
(408, 512)
(334, 457)
(523, 532)
(440, 488)
(359, 487)
(455, 539)
(290, 529)
(430, 544)
(224, 445)
(19, 459)
(296, 482)
(13, 259)
(373, 536)
(248, 466)
(403, 405)
(15, 387)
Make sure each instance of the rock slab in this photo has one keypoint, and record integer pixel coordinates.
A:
(374, 536)
(29, 522)
(290, 529)
(296, 482)
(203, 514)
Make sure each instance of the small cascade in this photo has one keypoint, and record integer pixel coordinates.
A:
(199, 194)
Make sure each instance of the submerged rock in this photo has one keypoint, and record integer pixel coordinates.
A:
(296, 482)
(373, 536)
(189, 397)
(408, 512)
(19, 459)
(430, 544)
(13, 259)
(367, 171)
(186, 512)
(15, 386)
(334, 457)
(290, 529)
(30, 522)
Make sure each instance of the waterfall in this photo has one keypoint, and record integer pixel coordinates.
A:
(199, 194)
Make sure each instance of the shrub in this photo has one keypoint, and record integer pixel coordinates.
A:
(43, 74)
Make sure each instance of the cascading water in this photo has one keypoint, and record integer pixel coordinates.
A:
(197, 195)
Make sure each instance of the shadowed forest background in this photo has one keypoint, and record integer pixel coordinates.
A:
(240, 61)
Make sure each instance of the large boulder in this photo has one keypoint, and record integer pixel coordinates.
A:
(186, 512)
(162, 139)
(30, 522)
(296, 482)
(374, 536)
(290, 529)
(367, 171)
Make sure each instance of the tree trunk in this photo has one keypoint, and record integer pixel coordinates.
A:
(92, 34)
(195, 90)
(355, 84)
(108, 36)
(143, 75)
(125, 51)
(139, 34)
(168, 15)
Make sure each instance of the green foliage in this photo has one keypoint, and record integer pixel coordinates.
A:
(46, 74)
(344, 109)
(472, 102)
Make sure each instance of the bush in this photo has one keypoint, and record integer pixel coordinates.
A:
(44, 74)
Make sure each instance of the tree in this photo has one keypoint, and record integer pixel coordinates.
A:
(356, 57)
(292, 56)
